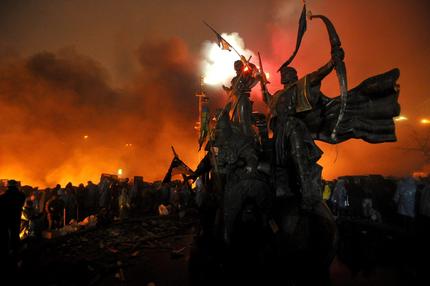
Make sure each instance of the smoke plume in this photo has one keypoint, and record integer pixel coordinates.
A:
(62, 120)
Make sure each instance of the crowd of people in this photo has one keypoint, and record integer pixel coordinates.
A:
(377, 199)
(406, 199)
(382, 222)
(30, 212)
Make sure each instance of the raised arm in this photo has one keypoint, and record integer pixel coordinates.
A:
(316, 77)
(267, 97)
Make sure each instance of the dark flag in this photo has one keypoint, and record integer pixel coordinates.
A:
(177, 167)
(222, 43)
(300, 33)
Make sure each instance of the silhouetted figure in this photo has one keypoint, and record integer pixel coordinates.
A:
(54, 210)
(404, 197)
(14, 201)
(11, 203)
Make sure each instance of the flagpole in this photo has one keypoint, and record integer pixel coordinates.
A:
(219, 35)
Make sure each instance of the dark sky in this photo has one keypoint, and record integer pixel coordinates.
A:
(128, 70)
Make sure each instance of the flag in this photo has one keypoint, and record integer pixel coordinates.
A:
(300, 33)
(223, 44)
(177, 166)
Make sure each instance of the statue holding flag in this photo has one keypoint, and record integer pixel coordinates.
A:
(239, 105)
(302, 229)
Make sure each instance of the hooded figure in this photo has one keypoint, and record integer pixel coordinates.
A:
(11, 205)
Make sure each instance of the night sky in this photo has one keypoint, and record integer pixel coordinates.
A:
(125, 72)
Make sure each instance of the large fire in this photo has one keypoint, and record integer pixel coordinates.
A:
(62, 121)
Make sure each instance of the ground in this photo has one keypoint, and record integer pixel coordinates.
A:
(156, 251)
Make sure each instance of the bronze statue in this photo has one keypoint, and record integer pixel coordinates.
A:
(296, 154)
(287, 199)
(239, 106)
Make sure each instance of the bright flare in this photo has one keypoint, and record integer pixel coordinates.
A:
(401, 118)
(119, 172)
(425, 121)
(85, 137)
(217, 64)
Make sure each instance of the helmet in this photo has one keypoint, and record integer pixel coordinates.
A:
(238, 66)
(288, 75)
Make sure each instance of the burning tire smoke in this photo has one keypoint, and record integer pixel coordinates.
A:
(62, 120)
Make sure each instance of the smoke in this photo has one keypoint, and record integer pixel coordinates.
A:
(217, 64)
(285, 12)
(50, 101)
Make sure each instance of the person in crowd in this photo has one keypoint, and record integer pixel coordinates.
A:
(54, 209)
(14, 200)
(339, 198)
(70, 203)
(123, 200)
(326, 194)
(92, 197)
(404, 197)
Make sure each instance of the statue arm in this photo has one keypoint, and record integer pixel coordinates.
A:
(267, 97)
(253, 76)
(317, 76)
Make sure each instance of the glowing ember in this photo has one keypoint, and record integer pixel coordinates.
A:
(418, 174)
(119, 172)
(401, 118)
(425, 121)
(85, 137)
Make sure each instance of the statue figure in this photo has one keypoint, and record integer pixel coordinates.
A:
(289, 196)
(296, 154)
(239, 106)
(300, 113)
(237, 158)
